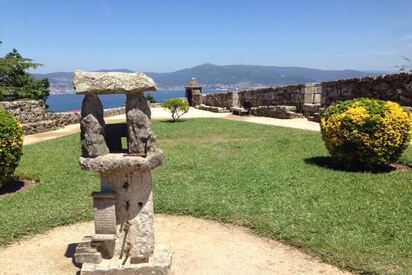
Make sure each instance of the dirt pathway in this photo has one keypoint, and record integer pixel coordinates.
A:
(199, 247)
(160, 113)
(296, 123)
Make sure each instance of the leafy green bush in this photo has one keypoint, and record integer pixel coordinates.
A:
(11, 143)
(150, 98)
(177, 107)
(367, 132)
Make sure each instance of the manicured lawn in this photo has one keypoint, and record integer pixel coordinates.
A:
(263, 177)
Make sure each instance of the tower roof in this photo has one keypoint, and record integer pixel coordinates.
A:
(193, 83)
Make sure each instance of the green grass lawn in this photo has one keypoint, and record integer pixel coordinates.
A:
(266, 178)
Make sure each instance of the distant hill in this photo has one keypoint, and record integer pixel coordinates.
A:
(223, 76)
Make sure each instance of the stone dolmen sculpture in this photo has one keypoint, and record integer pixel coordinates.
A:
(123, 242)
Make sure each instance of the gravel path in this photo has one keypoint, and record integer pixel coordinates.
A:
(199, 247)
(160, 113)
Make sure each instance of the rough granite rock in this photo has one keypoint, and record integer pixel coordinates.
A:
(86, 253)
(280, 111)
(134, 211)
(213, 109)
(119, 161)
(392, 87)
(92, 137)
(111, 82)
(123, 208)
(139, 132)
(92, 105)
(159, 264)
(138, 124)
(138, 101)
(26, 111)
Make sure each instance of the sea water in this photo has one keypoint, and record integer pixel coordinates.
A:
(73, 102)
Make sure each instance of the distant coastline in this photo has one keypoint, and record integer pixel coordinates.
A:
(214, 77)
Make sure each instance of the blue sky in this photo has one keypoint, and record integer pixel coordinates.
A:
(167, 35)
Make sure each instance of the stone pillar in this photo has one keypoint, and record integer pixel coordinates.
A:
(92, 127)
(123, 242)
(138, 101)
(312, 93)
(140, 135)
(235, 99)
(193, 89)
(92, 105)
(134, 212)
(124, 218)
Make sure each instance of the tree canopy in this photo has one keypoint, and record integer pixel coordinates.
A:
(16, 82)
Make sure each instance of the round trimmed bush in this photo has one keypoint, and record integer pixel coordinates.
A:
(11, 143)
(366, 132)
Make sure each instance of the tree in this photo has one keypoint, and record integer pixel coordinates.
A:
(407, 66)
(177, 107)
(17, 83)
(150, 98)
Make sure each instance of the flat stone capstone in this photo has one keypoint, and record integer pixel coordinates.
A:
(112, 83)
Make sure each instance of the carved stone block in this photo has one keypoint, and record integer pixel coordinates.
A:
(104, 212)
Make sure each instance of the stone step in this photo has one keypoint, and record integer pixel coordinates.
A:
(239, 111)
(279, 111)
(310, 108)
(214, 109)
(314, 117)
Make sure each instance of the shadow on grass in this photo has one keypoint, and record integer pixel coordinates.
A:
(15, 185)
(171, 121)
(334, 164)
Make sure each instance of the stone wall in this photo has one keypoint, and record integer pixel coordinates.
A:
(290, 95)
(34, 117)
(224, 100)
(25, 111)
(393, 87)
(309, 97)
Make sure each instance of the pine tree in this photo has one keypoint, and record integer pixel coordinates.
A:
(15, 80)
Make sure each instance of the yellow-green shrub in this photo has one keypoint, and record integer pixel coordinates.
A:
(11, 143)
(368, 132)
(177, 107)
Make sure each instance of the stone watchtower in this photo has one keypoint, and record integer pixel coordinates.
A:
(193, 89)
(124, 155)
